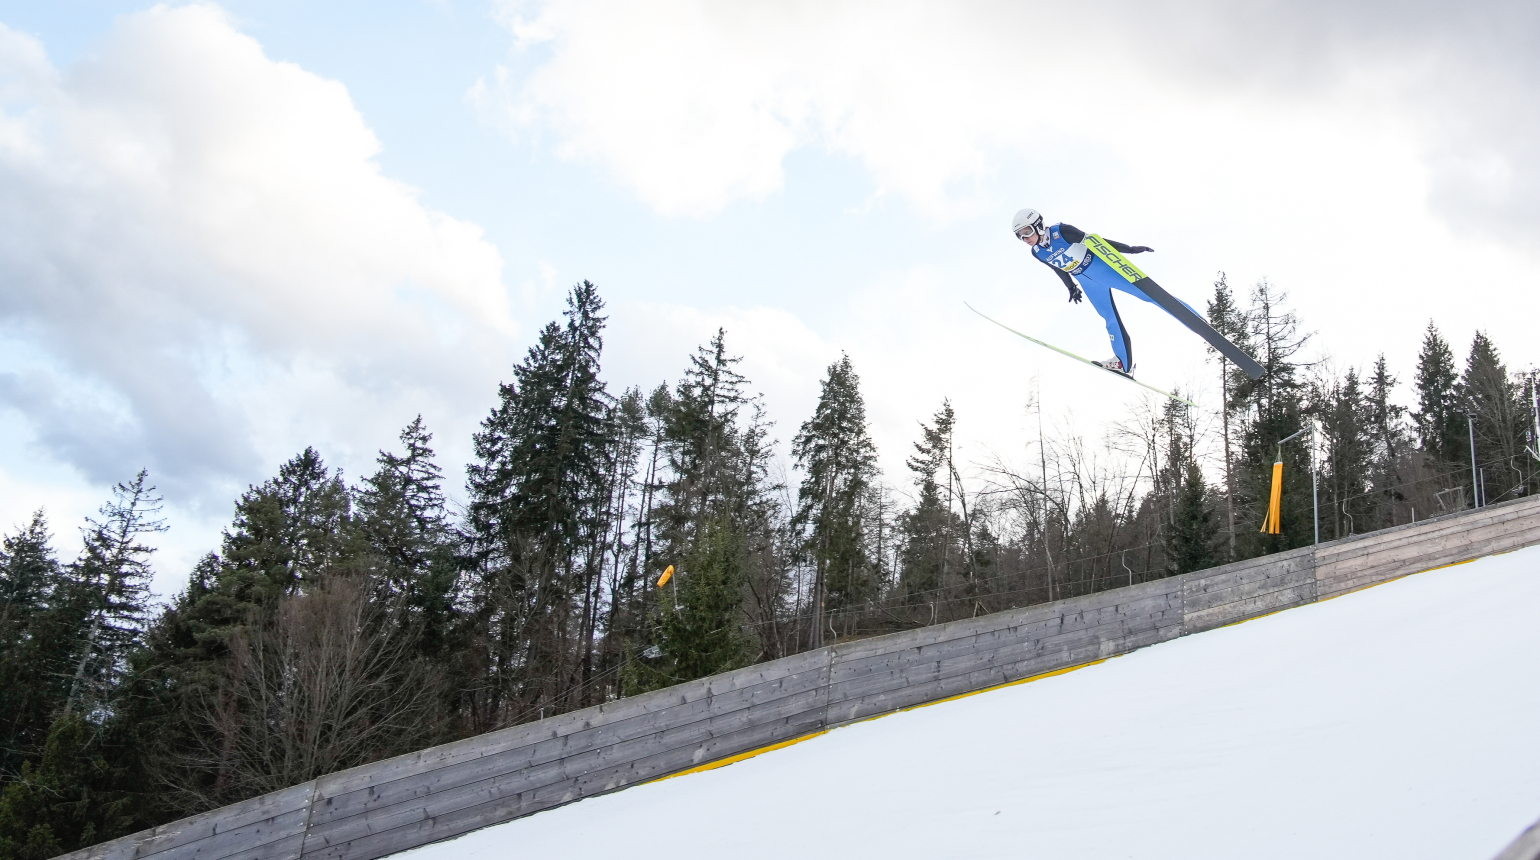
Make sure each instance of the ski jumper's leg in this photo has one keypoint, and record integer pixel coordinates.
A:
(1098, 288)
(1123, 284)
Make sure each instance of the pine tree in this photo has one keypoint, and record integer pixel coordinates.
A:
(839, 461)
(703, 445)
(401, 518)
(40, 620)
(930, 527)
(1228, 319)
(85, 785)
(76, 795)
(1501, 420)
(709, 509)
(287, 531)
(1441, 429)
(703, 636)
(290, 534)
(537, 491)
(114, 570)
(1190, 538)
(1274, 409)
(1347, 437)
(1390, 444)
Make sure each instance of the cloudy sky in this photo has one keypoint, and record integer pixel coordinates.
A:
(230, 231)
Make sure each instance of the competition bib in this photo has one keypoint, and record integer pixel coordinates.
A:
(1071, 259)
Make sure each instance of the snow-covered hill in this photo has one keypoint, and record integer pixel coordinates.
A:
(1402, 721)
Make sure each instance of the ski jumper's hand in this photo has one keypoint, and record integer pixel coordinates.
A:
(1139, 249)
(1075, 295)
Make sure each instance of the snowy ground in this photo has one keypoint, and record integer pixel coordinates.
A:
(1402, 721)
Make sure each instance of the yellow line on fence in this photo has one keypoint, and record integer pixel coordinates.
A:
(1405, 575)
(733, 759)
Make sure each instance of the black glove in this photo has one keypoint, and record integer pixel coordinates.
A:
(1075, 295)
(1139, 249)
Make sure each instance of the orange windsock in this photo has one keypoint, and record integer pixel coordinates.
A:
(1275, 502)
(667, 575)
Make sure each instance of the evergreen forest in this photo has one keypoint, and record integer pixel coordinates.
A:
(341, 623)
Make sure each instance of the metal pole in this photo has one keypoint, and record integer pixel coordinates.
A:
(1315, 499)
(1315, 502)
(1475, 479)
(1315, 492)
(1534, 402)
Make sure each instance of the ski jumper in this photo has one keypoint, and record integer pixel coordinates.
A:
(1063, 250)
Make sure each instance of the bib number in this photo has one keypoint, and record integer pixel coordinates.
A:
(1072, 259)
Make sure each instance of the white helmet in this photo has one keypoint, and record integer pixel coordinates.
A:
(1027, 218)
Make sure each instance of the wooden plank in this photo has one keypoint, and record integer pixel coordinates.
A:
(1240, 591)
(122, 848)
(1337, 582)
(967, 627)
(196, 828)
(1215, 602)
(1039, 655)
(1199, 581)
(1290, 577)
(504, 803)
(962, 628)
(539, 742)
(1252, 607)
(360, 813)
(537, 763)
(1360, 545)
(287, 848)
(876, 703)
(1150, 611)
(256, 839)
(1415, 546)
(1400, 561)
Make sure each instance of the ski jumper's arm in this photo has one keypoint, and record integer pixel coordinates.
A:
(1072, 233)
(1074, 290)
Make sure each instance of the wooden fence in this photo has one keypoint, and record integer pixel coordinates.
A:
(445, 791)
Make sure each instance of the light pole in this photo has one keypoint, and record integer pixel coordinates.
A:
(1534, 402)
(1475, 479)
(1315, 493)
(1315, 496)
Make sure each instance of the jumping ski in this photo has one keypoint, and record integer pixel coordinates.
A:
(1081, 359)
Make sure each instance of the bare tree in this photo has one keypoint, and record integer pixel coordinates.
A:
(329, 681)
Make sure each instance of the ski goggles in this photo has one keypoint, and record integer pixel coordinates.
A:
(1024, 232)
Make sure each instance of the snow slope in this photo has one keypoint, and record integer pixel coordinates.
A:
(1402, 721)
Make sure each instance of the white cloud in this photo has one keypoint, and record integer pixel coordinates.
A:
(694, 105)
(1318, 145)
(205, 268)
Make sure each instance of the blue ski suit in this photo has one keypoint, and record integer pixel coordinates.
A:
(1063, 251)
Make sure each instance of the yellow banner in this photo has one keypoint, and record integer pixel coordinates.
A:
(1270, 523)
(1111, 257)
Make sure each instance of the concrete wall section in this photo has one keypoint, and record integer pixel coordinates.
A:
(442, 792)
